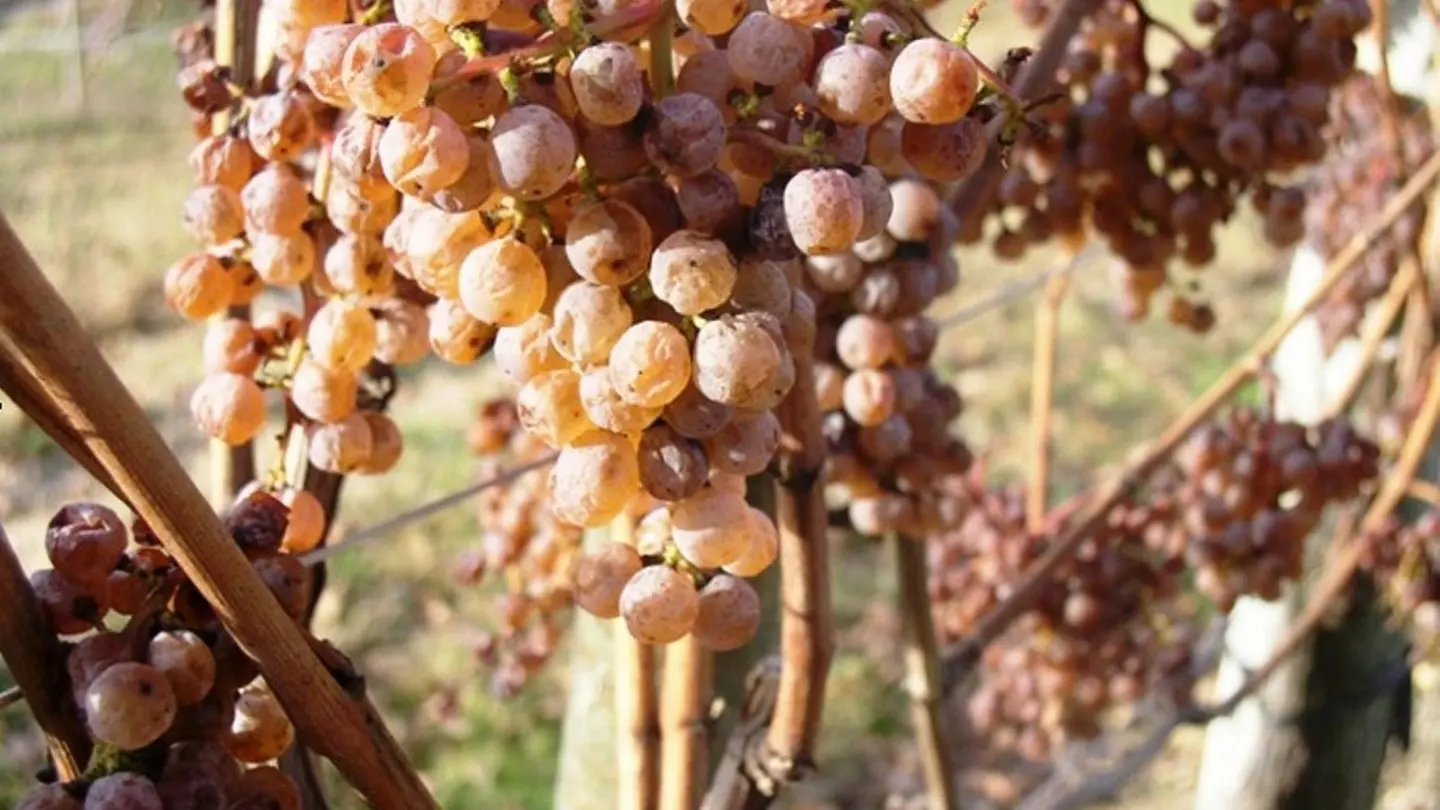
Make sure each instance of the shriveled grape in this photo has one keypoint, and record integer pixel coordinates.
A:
(659, 604)
(600, 577)
(729, 613)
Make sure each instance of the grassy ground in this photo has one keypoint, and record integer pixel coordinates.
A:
(95, 193)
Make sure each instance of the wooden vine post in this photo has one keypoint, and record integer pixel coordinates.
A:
(40, 334)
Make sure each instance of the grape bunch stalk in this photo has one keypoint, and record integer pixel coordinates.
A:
(179, 715)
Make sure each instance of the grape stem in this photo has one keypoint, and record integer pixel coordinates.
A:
(1146, 21)
(961, 660)
(805, 155)
(968, 23)
(662, 46)
(1335, 580)
(375, 13)
(553, 43)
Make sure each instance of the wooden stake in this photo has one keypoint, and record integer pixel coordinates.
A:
(773, 742)
(39, 331)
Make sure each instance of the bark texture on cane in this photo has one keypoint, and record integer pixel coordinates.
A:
(36, 659)
(684, 727)
(39, 332)
(922, 675)
(807, 632)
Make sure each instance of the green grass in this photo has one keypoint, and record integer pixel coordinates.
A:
(95, 193)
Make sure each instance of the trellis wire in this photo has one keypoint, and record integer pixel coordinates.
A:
(421, 512)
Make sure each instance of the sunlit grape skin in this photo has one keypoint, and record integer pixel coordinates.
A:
(764, 547)
(502, 282)
(608, 83)
(533, 153)
(423, 151)
(659, 605)
(229, 407)
(712, 528)
(129, 706)
(933, 82)
(198, 286)
(323, 63)
(260, 731)
(594, 478)
(185, 662)
(650, 364)
(824, 210)
(386, 70)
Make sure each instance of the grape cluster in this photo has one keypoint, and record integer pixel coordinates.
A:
(1367, 168)
(1254, 490)
(1156, 158)
(523, 545)
(1113, 623)
(1110, 627)
(1405, 559)
(187, 721)
(886, 413)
